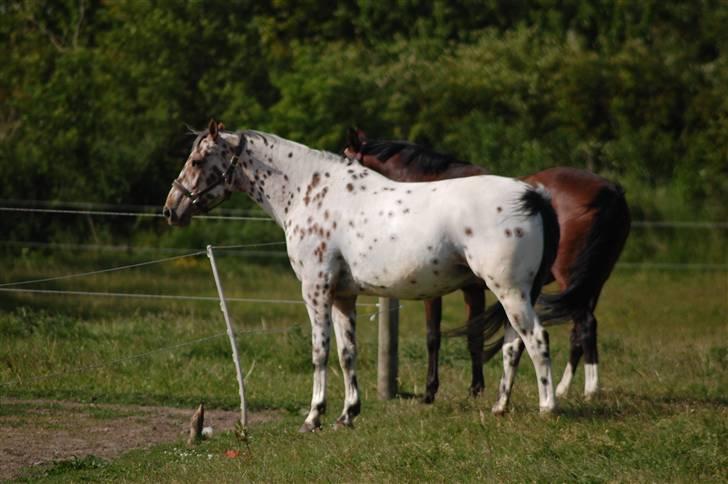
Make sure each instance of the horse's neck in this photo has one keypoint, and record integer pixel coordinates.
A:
(396, 169)
(279, 171)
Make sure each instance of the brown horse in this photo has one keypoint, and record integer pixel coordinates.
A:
(594, 221)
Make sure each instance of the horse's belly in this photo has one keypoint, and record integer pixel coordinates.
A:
(414, 282)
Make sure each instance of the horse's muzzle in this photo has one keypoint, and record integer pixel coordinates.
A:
(173, 218)
(170, 215)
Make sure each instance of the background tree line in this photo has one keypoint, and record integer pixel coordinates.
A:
(95, 95)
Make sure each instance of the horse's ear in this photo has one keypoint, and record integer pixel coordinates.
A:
(212, 129)
(220, 126)
(353, 138)
(361, 135)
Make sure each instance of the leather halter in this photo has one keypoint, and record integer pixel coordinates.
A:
(197, 201)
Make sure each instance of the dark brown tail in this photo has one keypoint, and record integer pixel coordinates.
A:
(606, 239)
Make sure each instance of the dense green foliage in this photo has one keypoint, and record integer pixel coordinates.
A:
(95, 96)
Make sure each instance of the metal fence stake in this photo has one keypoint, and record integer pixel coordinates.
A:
(233, 343)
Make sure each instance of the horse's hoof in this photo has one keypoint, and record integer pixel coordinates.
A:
(476, 391)
(343, 424)
(428, 399)
(562, 390)
(499, 410)
(309, 427)
(547, 411)
(590, 396)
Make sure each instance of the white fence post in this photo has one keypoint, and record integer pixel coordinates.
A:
(233, 343)
(388, 348)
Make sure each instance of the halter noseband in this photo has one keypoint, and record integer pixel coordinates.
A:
(197, 200)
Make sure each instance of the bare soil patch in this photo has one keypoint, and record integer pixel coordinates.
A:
(37, 432)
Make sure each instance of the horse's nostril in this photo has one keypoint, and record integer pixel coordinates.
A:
(166, 212)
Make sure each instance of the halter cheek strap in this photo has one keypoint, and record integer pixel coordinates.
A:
(226, 177)
(230, 171)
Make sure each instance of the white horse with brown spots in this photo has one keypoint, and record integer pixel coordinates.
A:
(351, 231)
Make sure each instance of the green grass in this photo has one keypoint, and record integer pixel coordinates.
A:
(406, 441)
(662, 415)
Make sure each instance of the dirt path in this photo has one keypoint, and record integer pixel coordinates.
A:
(38, 432)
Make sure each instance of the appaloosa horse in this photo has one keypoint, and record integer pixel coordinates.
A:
(351, 231)
(594, 220)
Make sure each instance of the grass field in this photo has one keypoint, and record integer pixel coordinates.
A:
(662, 414)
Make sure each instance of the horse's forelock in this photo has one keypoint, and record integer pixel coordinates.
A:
(198, 136)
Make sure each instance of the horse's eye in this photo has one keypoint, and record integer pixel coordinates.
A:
(196, 162)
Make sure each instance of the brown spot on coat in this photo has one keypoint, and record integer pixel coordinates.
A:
(315, 179)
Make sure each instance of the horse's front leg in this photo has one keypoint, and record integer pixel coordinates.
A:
(344, 316)
(475, 301)
(318, 305)
(433, 314)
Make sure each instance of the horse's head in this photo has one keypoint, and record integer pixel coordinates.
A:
(359, 148)
(355, 140)
(207, 177)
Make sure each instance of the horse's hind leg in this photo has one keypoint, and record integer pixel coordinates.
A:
(591, 356)
(575, 354)
(344, 316)
(524, 320)
(433, 314)
(475, 302)
(512, 350)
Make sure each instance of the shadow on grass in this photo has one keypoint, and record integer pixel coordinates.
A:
(622, 404)
(409, 396)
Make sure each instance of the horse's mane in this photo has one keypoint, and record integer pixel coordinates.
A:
(425, 159)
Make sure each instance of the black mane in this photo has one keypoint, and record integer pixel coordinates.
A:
(425, 159)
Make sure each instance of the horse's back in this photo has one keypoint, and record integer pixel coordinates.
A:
(418, 240)
(572, 189)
